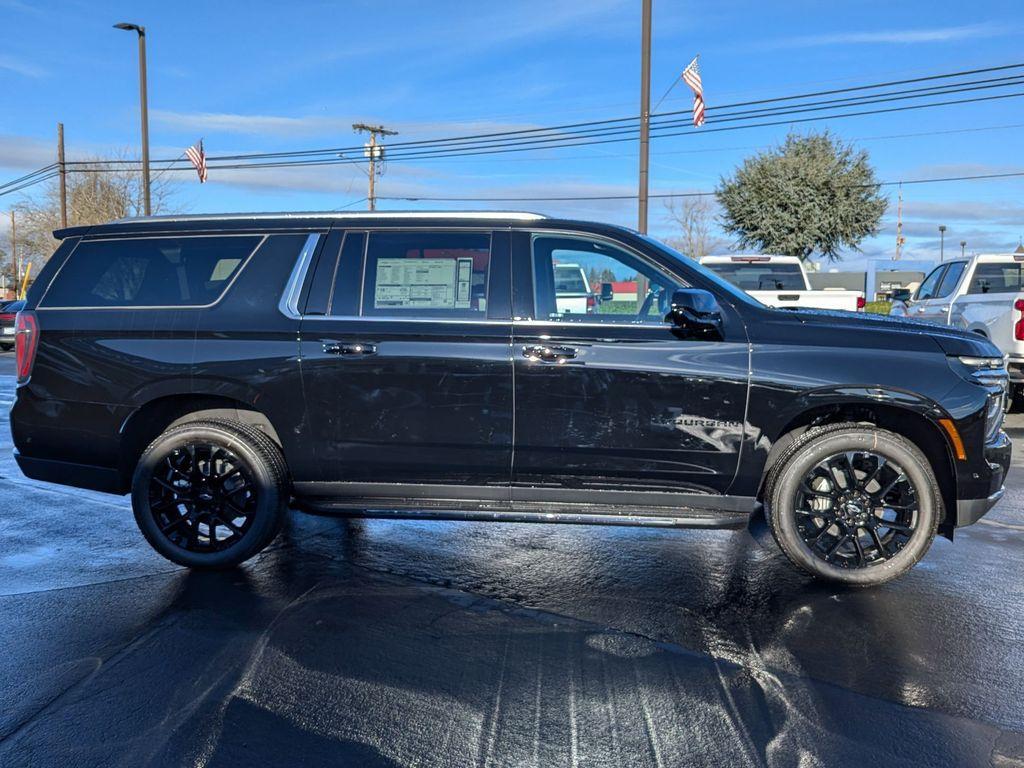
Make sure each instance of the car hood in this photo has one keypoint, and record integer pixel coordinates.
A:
(869, 330)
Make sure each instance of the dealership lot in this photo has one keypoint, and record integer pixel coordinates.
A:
(411, 643)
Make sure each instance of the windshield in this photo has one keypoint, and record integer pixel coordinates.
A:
(760, 276)
(724, 285)
(569, 279)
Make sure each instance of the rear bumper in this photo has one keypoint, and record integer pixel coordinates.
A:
(86, 476)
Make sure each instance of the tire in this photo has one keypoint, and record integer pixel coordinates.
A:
(210, 477)
(812, 504)
(6, 347)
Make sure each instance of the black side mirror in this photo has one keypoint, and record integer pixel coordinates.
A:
(607, 292)
(696, 311)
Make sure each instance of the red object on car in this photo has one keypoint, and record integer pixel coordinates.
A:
(1018, 327)
(26, 341)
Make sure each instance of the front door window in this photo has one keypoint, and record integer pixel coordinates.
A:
(583, 280)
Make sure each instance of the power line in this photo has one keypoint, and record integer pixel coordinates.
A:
(590, 133)
(592, 125)
(589, 140)
(523, 199)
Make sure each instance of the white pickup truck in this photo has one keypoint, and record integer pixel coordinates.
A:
(983, 294)
(780, 281)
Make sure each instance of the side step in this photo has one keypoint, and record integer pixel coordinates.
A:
(523, 512)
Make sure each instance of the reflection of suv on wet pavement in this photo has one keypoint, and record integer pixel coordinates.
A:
(418, 365)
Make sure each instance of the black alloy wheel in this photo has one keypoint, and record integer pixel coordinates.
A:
(202, 497)
(210, 494)
(853, 503)
(856, 509)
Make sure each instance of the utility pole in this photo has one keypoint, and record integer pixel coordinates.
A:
(143, 99)
(645, 114)
(373, 152)
(900, 239)
(63, 176)
(14, 255)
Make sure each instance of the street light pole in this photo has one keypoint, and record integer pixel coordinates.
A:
(963, 245)
(143, 99)
(645, 114)
(942, 242)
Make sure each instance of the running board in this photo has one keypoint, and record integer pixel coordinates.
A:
(525, 512)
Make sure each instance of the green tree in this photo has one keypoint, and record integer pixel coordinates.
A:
(813, 194)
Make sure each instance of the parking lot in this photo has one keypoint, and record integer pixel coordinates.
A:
(414, 643)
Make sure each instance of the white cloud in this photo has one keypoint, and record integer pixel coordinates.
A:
(207, 123)
(898, 36)
(20, 67)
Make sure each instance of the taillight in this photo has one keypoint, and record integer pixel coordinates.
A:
(861, 303)
(1018, 327)
(26, 340)
(591, 302)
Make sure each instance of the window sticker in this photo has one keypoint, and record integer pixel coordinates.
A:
(420, 283)
(464, 283)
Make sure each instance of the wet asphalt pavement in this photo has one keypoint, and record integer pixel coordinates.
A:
(449, 644)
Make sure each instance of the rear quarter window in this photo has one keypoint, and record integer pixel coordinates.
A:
(150, 272)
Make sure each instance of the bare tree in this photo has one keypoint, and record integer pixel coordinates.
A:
(695, 218)
(97, 192)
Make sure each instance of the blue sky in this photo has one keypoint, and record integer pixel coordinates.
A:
(269, 76)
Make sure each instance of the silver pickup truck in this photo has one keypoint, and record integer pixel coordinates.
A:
(983, 294)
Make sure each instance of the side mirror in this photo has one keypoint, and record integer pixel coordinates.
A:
(607, 292)
(696, 311)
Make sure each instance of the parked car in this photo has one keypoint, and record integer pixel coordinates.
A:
(8, 311)
(220, 367)
(983, 294)
(781, 281)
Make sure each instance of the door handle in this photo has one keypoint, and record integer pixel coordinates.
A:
(353, 349)
(548, 354)
(944, 308)
(920, 310)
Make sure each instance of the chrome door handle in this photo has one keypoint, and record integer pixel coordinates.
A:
(944, 309)
(355, 349)
(548, 354)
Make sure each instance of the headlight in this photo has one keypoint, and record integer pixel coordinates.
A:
(994, 416)
(981, 363)
(987, 371)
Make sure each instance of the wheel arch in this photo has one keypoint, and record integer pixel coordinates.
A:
(155, 416)
(912, 423)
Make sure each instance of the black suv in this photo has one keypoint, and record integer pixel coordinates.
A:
(422, 365)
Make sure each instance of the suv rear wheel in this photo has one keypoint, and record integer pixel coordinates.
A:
(210, 494)
(853, 503)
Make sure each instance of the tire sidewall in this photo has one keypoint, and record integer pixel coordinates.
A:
(917, 470)
(269, 502)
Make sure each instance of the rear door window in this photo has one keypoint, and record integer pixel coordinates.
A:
(150, 271)
(427, 274)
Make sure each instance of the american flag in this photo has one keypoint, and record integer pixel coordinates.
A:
(198, 157)
(691, 76)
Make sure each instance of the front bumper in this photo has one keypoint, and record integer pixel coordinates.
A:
(997, 459)
(970, 511)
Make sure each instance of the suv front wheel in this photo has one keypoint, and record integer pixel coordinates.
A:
(210, 494)
(853, 503)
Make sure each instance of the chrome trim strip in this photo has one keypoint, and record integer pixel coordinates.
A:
(289, 304)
